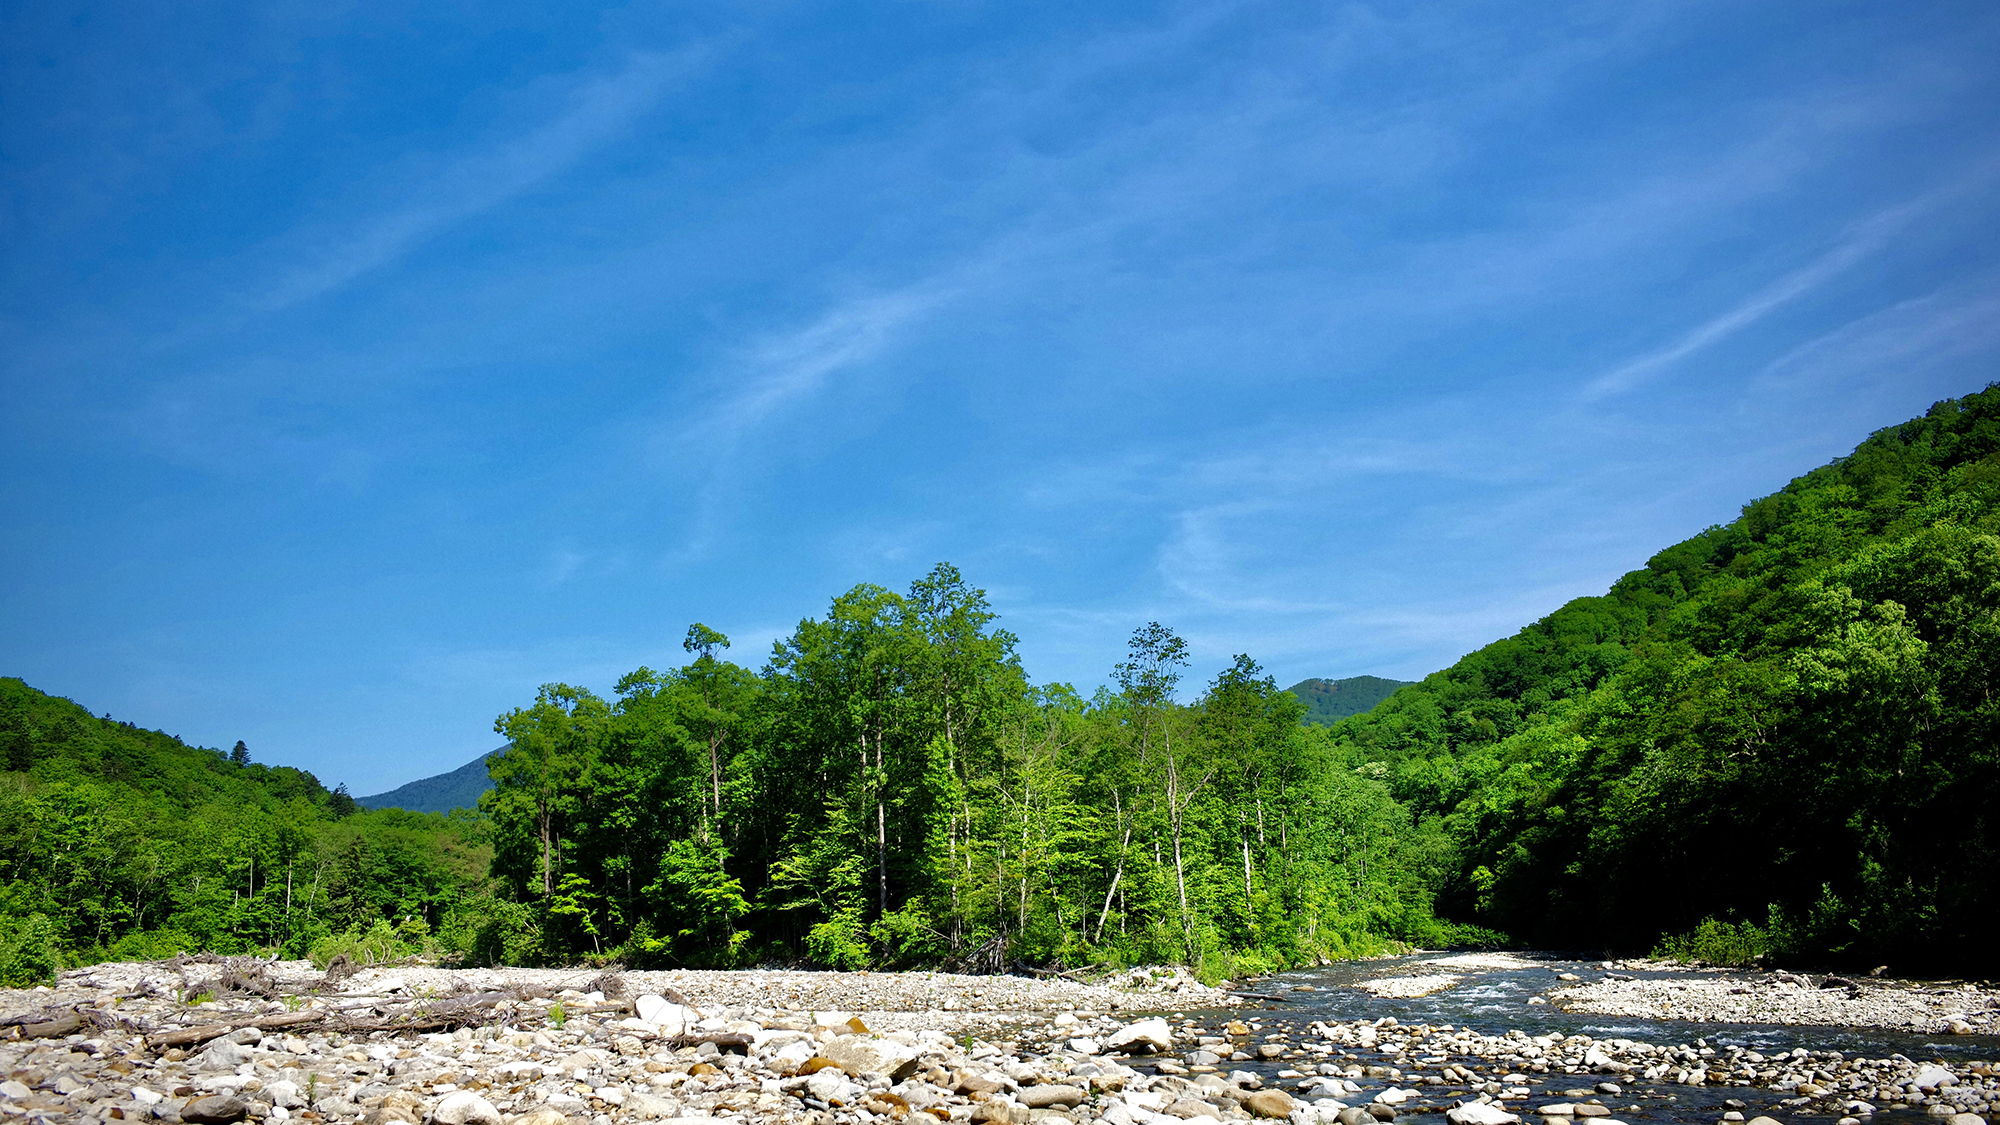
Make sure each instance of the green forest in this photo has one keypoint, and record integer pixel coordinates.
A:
(1777, 737)
(123, 843)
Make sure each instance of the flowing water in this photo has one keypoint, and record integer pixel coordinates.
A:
(1493, 1001)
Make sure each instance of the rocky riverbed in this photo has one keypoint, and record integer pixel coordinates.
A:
(210, 1043)
(1952, 1008)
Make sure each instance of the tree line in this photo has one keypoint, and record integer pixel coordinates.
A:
(890, 789)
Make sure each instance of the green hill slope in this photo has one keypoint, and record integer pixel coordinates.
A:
(1329, 701)
(1787, 724)
(55, 741)
(116, 841)
(459, 789)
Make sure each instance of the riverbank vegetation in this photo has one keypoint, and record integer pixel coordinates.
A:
(892, 790)
(118, 842)
(1776, 739)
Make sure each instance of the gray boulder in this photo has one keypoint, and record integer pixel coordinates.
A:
(217, 1110)
(1046, 1097)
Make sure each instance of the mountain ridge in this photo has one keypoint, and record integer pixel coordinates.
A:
(440, 793)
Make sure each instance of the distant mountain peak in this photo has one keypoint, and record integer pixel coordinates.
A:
(1329, 701)
(459, 789)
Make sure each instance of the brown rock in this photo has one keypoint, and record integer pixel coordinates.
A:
(1268, 1103)
(885, 1103)
(816, 1064)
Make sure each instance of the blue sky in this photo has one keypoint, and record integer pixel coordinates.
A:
(367, 365)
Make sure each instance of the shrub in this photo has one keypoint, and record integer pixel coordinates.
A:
(379, 944)
(30, 953)
(508, 935)
(1715, 942)
(151, 945)
(836, 942)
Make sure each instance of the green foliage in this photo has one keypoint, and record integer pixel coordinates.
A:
(702, 902)
(836, 943)
(381, 943)
(507, 933)
(890, 791)
(1789, 717)
(129, 844)
(1329, 701)
(151, 945)
(29, 953)
(557, 1017)
(1716, 943)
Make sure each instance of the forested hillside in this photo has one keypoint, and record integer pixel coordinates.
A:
(1785, 726)
(117, 841)
(1329, 701)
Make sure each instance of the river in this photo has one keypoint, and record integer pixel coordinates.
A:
(1494, 1000)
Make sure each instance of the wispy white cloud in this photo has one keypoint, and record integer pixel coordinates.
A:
(595, 111)
(763, 382)
(1889, 341)
(788, 367)
(1863, 241)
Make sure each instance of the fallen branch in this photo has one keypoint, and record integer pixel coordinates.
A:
(208, 1031)
(1260, 996)
(51, 1029)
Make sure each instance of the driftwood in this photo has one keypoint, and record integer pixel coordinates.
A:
(1063, 974)
(337, 970)
(50, 1029)
(181, 1037)
(734, 1041)
(54, 1023)
(988, 959)
(448, 1014)
(1261, 996)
